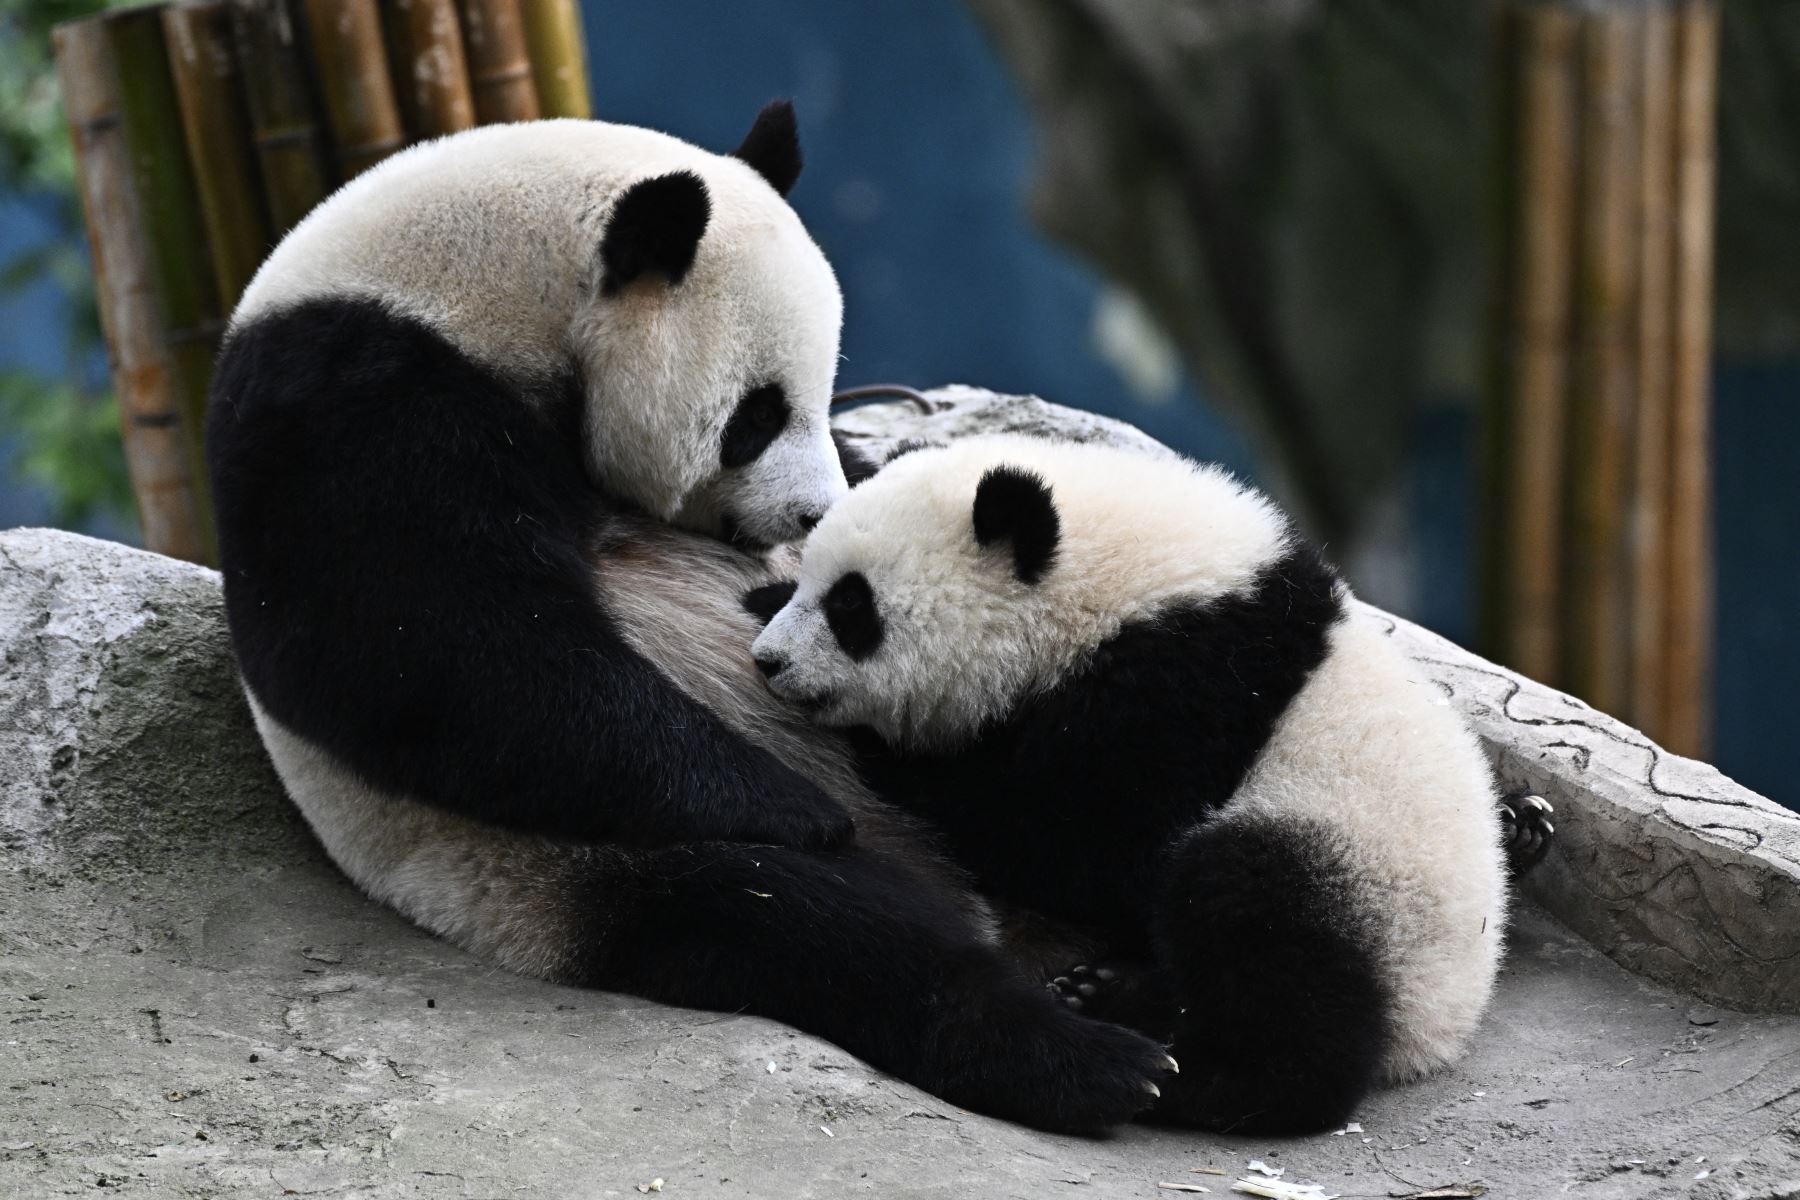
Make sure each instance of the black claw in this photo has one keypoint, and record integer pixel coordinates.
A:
(1106, 974)
(1086, 989)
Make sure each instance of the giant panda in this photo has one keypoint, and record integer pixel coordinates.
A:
(1130, 693)
(498, 435)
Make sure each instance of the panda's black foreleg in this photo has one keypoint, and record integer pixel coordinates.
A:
(1526, 831)
(852, 947)
(1283, 1018)
(406, 548)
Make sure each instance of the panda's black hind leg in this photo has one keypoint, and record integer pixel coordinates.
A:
(1526, 831)
(1283, 1021)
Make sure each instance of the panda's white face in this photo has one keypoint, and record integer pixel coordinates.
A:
(708, 341)
(957, 581)
(678, 284)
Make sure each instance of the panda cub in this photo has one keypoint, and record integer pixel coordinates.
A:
(1131, 694)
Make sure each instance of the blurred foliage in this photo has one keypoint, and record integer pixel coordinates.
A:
(67, 422)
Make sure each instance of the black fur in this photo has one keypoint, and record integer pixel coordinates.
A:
(850, 945)
(403, 541)
(773, 146)
(764, 602)
(1154, 732)
(754, 425)
(1283, 1021)
(854, 619)
(858, 466)
(655, 226)
(1014, 505)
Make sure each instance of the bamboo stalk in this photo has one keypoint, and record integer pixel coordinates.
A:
(131, 314)
(290, 146)
(431, 74)
(1596, 647)
(1650, 451)
(180, 258)
(1527, 413)
(1690, 589)
(350, 63)
(207, 86)
(499, 61)
(558, 57)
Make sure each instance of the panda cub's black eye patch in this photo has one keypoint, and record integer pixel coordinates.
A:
(850, 611)
(758, 420)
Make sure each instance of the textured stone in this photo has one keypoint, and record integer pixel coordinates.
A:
(196, 1003)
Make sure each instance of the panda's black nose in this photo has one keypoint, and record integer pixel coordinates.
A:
(770, 667)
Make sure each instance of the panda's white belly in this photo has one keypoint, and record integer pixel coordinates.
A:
(1371, 749)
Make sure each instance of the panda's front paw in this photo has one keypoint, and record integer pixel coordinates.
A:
(1526, 831)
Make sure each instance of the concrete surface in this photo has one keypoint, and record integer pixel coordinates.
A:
(197, 1004)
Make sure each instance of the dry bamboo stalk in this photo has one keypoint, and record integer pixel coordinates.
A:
(431, 74)
(170, 205)
(290, 146)
(1529, 404)
(350, 63)
(1596, 657)
(558, 57)
(1690, 590)
(131, 314)
(1650, 451)
(499, 61)
(207, 85)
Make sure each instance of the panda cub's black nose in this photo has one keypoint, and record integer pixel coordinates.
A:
(770, 667)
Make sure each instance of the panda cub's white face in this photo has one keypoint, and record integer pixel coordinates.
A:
(959, 580)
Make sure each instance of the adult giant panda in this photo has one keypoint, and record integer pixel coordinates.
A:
(1131, 693)
(482, 431)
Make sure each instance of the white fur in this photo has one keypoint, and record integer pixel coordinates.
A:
(1366, 748)
(491, 237)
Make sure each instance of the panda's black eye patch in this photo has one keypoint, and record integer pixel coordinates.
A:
(850, 611)
(759, 419)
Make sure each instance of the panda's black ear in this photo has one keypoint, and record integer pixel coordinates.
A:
(1014, 505)
(773, 146)
(655, 225)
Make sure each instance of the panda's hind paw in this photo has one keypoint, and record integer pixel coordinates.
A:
(1526, 831)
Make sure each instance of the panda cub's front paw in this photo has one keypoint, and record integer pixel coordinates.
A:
(1085, 989)
(1526, 831)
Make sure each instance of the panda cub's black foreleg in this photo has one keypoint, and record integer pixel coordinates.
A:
(1284, 1016)
(853, 947)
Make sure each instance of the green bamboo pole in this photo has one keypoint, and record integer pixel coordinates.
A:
(208, 84)
(181, 260)
(430, 70)
(499, 61)
(284, 122)
(144, 371)
(558, 57)
(349, 56)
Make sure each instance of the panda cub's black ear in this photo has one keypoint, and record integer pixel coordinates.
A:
(773, 146)
(655, 225)
(1014, 505)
